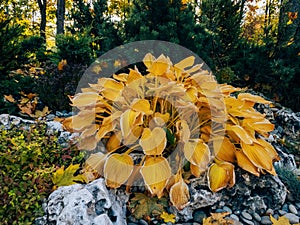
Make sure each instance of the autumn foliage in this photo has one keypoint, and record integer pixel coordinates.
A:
(172, 124)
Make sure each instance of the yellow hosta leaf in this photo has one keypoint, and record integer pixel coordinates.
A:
(197, 153)
(259, 156)
(114, 142)
(179, 194)
(160, 66)
(88, 143)
(80, 121)
(153, 141)
(225, 150)
(141, 105)
(130, 119)
(260, 125)
(240, 133)
(183, 131)
(221, 175)
(168, 217)
(156, 172)
(62, 177)
(107, 126)
(96, 162)
(197, 170)
(133, 136)
(187, 62)
(112, 89)
(159, 120)
(245, 163)
(85, 99)
(89, 131)
(148, 60)
(270, 149)
(252, 98)
(117, 169)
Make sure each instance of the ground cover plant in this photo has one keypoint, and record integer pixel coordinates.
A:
(28, 157)
(177, 122)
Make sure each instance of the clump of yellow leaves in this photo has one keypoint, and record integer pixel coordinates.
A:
(218, 219)
(176, 115)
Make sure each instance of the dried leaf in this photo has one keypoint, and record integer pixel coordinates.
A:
(153, 141)
(282, 220)
(179, 194)
(168, 217)
(221, 175)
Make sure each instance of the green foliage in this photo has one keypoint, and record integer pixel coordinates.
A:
(64, 83)
(74, 48)
(33, 49)
(95, 17)
(291, 180)
(28, 156)
(9, 45)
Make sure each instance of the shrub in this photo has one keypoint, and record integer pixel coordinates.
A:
(74, 48)
(9, 45)
(13, 85)
(174, 118)
(54, 86)
(33, 49)
(27, 158)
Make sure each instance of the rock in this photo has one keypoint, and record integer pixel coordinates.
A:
(227, 209)
(256, 217)
(265, 220)
(249, 222)
(270, 212)
(142, 222)
(234, 217)
(246, 215)
(282, 212)
(293, 209)
(87, 205)
(255, 194)
(199, 215)
(201, 197)
(292, 218)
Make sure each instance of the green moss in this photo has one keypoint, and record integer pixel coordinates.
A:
(27, 159)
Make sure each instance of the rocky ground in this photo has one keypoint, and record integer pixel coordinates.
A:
(251, 201)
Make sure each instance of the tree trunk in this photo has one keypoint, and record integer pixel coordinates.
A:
(43, 8)
(60, 16)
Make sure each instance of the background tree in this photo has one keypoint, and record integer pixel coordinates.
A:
(60, 16)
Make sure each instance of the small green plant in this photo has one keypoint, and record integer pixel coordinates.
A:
(28, 156)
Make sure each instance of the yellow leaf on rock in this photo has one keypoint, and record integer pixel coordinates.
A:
(220, 175)
(156, 172)
(117, 169)
(153, 141)
(187, 62)
(168, 217)
(179, 194)
(282, 220)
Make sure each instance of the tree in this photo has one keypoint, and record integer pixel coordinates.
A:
(43, 11)
(60, 16)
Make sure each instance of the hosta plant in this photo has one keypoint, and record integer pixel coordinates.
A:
(169, 125)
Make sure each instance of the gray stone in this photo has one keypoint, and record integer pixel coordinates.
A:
(265, 220)
(249, 222)
(256, 216)
(227, 209)
(142, 222)
(220, 210)
(292, 218)
(285, 207)
(234, 217)
(293, 209)
(246, 215)
(86, 205)
(282, 212)
(270, 212)
(199, 215)
(297, 205)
